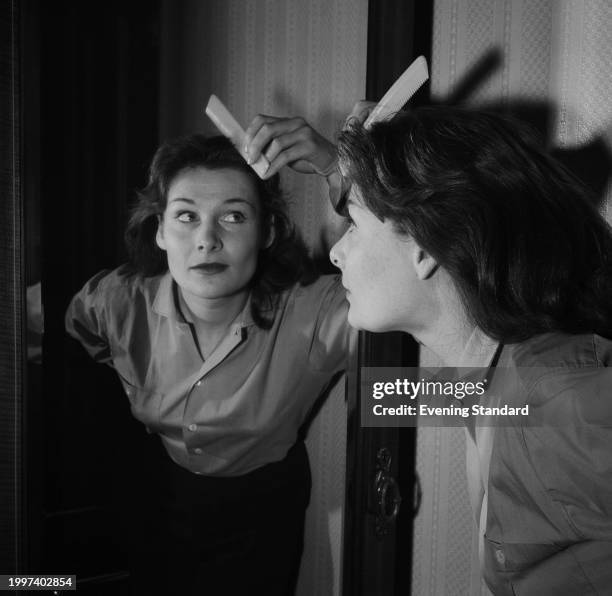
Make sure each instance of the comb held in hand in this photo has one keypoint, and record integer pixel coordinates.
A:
(229, 127)
(400, 92)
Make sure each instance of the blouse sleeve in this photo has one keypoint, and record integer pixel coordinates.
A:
(572, 451)
(85, 318)
(332, 336)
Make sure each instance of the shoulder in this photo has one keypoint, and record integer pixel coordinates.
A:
(321, 286)
(307, 305)
(325, 290)
(556, 365)
(315, 315)
(119, 290)
(563, 351)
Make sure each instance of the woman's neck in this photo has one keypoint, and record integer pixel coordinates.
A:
(448, 341)
(447, 328)
(212, 313)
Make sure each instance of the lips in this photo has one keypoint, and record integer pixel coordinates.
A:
(210, 268)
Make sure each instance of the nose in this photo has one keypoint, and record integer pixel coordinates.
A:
(208, 238)
(336, 254)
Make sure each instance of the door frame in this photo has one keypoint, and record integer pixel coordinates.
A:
(374, 548)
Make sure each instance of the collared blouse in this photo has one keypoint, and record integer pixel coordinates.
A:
(542, 488)
(242, 407)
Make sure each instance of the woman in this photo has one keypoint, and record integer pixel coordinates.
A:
(222, 344)
(465, 234)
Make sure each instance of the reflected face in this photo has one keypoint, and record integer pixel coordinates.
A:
(211, 231)
(377, 271)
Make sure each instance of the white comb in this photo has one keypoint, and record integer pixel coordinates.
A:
(400, 92)
(229, 127)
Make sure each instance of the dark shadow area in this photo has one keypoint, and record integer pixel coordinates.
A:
(91, 122)
(591, 163)
(482, 70)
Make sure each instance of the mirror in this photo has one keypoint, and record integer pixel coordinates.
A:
(96, 111)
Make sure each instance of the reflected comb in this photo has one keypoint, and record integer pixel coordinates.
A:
(229, 127)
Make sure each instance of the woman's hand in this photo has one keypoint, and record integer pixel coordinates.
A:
(289, 141)
(360, 112)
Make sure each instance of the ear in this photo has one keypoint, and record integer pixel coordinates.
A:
(271, 234)
(159, 235)
(424, 264)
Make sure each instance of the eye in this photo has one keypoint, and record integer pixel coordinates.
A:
(186, 216)
(235, 217)
(350, 221)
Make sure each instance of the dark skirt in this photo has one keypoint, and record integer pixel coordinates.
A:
(229, 536)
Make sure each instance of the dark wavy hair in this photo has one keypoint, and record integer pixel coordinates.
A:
(282, 264)
(520, 237)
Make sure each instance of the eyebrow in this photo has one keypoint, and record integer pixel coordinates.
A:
(230, 201)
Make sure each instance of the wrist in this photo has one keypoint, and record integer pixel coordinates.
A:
(328, 170)
(338, 191)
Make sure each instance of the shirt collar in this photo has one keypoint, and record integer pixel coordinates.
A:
(477, 363)
(164, 304)
(480, 351)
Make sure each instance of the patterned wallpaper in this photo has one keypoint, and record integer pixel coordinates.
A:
(285, 58)
(277, 57)
(581, 85)
(558, 51)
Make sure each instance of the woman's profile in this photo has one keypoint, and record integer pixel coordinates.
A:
(466, 234)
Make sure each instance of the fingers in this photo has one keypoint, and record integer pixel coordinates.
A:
(288, 141)
(263, 130)
(293, 155)
(300, 136)
(361, 110)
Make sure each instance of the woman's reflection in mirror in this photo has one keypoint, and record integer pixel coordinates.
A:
(223, 338)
